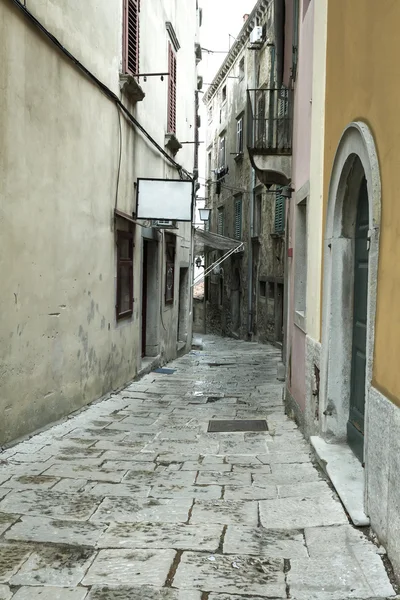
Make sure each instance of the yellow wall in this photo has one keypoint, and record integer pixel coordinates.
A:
(363, 83)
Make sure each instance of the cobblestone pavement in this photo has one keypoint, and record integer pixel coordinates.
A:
(133, 499)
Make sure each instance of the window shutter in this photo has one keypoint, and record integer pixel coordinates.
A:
(220, 225)
(131, 36)
(279, 213)
(171, 90)
(238, 218)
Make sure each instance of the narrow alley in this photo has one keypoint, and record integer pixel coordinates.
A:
(133, 498)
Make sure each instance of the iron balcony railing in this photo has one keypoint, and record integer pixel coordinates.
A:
(270, 124)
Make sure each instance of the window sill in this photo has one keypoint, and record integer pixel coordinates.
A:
(172, 143)
(130, 87)
(300, 320)
(125, 315)
(277, 236)
(238, 157)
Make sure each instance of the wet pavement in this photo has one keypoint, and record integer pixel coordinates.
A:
(133, 499)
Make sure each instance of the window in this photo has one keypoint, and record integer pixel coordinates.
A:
(279, 227)
(238, 218)
(300, 261)
(241, 69)
(222, 153)
(209, 165)
(171, 89)
(257, 215)
(223, 94)
(239, 135)
(209, 113)
(131, 37)
(170, 245)
(271, 290)
(124, 304)
(220, 223)
(263, 288)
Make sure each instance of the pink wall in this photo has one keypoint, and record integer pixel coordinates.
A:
(300, 176)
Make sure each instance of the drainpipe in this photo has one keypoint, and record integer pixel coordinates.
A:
(251, 230)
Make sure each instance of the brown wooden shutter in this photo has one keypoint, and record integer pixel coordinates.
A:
(131, 36)
(171, 90)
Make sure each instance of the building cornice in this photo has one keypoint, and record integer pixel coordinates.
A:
(241, 40)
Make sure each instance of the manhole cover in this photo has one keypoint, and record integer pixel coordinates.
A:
(227, 426)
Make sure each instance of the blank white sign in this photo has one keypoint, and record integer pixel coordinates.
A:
(169, 199)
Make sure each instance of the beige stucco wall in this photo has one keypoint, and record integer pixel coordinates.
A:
(315, 200)
(60, 344)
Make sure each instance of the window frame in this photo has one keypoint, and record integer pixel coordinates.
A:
(124, 262)
(242, 69)
(172, 81)
(130, 19)
(222, 145)
(257, 211)
(239, 135)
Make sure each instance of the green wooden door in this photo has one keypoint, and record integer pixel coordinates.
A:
(355, 426)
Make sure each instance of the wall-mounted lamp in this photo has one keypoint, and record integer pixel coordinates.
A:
(198, 262)
(204, 214)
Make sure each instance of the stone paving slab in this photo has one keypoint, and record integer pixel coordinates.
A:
(312, 580)
(309, 489)
(129, 510)
(130, 567)
(250, 493)
(264, 542)
(6, 521)
(49, 593)
(129, 490)
(5, 592)
(298, 513)
(209, 492)
(223, 478)
(232, 574)
(73, 507)
(54, 566)
(161, 478)
(141, 593)
(162, 535)
(42, 530)
(12, 557)
(225, 512)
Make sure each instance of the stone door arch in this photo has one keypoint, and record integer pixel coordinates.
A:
(356, 158)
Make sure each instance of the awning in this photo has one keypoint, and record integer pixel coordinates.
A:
(214, 241)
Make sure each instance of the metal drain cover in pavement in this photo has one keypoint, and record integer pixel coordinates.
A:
(227, 426)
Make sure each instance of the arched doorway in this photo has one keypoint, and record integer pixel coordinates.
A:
(351, 248)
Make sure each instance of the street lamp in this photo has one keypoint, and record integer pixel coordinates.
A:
(204, 214)
(198, 262)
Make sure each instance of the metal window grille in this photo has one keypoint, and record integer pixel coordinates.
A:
(279, 213)
(171, 89)
(124, 304)
(238, 219)
(239, 136)
(131, 36)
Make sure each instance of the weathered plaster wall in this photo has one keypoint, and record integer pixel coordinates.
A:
(60, 344)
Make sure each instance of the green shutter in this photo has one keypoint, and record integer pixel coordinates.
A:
(279, 213)
(238, 218)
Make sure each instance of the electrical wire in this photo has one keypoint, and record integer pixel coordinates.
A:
(105, 89)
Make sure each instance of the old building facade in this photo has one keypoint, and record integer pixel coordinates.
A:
(245, 295)
(342, 382)
(90, 295)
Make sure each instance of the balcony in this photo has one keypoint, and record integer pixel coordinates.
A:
(269, 133)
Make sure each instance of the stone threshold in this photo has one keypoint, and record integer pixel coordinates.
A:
(149, 363)
(346, 474)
